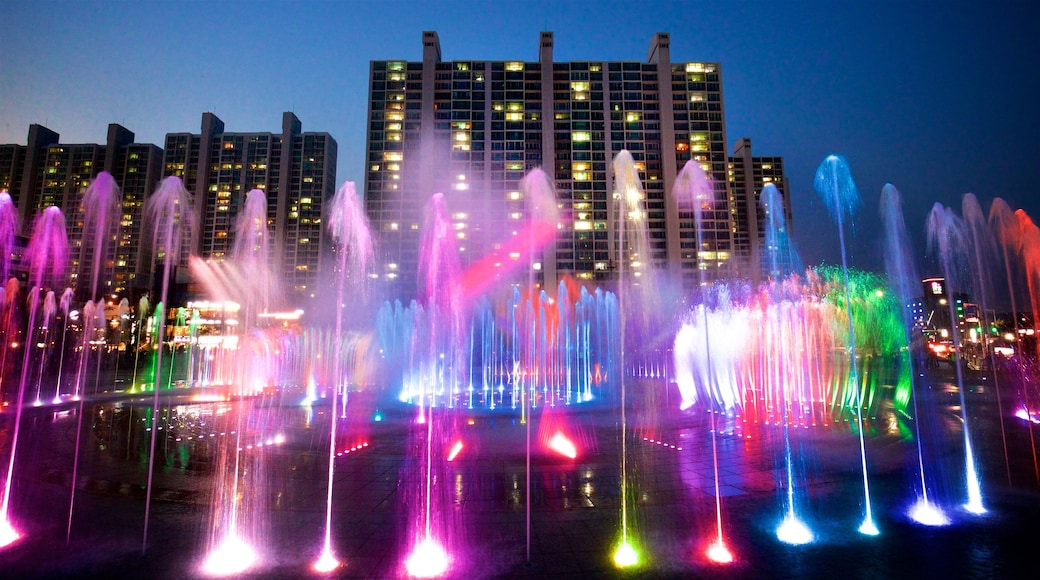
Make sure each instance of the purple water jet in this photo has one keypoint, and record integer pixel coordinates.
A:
(47, 254)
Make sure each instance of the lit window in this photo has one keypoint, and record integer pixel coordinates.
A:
(514, 195)
(514, 66)
(580, 136)
(694, 67)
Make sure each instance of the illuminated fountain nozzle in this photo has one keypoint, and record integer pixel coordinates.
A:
(327, 562)
(868, 528)
(793, 531)
(232, 557)
(719, 553)
(626, 556)
(8, 535)
(975, 506)
(562, 445)
(429, 560)
(455, 450)
(926, 513)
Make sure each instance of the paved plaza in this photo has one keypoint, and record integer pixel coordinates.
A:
(672, 463)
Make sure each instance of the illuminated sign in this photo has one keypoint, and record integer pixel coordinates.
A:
(937, 287)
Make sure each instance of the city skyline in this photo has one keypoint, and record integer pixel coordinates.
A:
(934, 102)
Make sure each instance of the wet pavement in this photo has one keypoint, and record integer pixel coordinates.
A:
(673, 465)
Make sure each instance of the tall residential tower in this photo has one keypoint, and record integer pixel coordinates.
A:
(45, 172)
(295, 170)
(471, 129)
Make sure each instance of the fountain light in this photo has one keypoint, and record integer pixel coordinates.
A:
(793, 531)
(233, 556)
(429, 560)
(327, 562)
(626, 556)
(926, 513)
(1025, 415)
(562, 445)
(868, 528)
(8, 535)
(455, 450)
(719, 553)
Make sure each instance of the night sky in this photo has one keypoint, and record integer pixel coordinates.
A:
(938, 98)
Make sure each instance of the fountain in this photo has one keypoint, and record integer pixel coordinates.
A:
(46, 255)
(471, 429)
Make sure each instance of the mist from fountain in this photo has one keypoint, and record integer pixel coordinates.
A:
(949, 238)
(47, 255)
(1009, 230)
(694, 192)
(437, 353)
(903, 280)
(471, 345)
(833, 182)
(171, 218)
(348, 226)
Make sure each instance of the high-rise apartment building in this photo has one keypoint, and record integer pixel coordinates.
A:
(295, 170)
(471, 129)
(748, 175)
(45, 172)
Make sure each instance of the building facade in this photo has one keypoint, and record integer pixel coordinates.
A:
(471, 129)
(748, 176)
(295, 170)
(46, 172)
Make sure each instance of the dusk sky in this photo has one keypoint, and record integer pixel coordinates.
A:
(938, 98)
